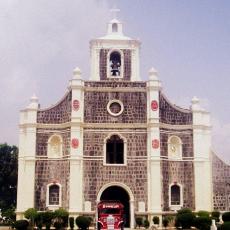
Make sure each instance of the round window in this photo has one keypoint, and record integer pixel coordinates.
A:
(115, 107)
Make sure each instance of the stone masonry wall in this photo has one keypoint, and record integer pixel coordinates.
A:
(170, 114)
(134, 174)
(47, 172)
(103, 64)
(43, 136)
(181, 172)
(96, 109)
(221, 184)
(60, 113)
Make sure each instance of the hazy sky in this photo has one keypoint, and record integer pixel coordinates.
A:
(188, 42)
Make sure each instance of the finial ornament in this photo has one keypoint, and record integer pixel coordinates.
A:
(114, 12)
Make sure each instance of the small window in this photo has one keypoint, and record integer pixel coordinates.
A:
(53, 196)
(115, 150)
(175, 196)
(55, 146)
(174, 147)
(114, 27)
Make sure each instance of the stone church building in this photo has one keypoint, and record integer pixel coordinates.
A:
(117, 137)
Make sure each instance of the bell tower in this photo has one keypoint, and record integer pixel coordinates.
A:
(114, 56)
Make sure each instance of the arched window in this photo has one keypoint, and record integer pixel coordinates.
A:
(115, 64)
(174, 147)
(115, 150)
(53, 195)
(55, 146)
(114, 27)
(175, 196)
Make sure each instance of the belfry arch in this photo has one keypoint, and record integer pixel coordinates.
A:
(119, 192)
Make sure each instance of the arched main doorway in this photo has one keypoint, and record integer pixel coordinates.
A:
(120, 193)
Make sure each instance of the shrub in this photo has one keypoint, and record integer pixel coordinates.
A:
(31, 214)
(225, 226)
(139, 221)
(156, 220)
(47, 219)
(146, 223)
(71, 223)
(9, 216)
(61, 217)
(39, 220)
(21, 224)
(202, 222)
(216, 216)
(184, 218)
(165, 221)
(83, 222)
(203, 213)
(226, 217)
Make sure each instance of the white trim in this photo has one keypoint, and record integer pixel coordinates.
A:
(115, 101)
(125, 149)
(53, 207)
(50, 153)
(176, 207)
(121, 67)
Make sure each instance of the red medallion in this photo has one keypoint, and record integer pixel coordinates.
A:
(154, 105)
(76, 105)
(75, 143)
(155, 143)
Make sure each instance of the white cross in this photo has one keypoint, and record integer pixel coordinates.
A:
(114, 12)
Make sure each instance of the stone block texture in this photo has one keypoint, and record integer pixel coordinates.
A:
(134, 174)
(57, 114)
(51, 171)
(221, 184)
(174, 115)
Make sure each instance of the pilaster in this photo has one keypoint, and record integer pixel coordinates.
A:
(154, 169)
(76, 152)
(202, 157)
(27, 153)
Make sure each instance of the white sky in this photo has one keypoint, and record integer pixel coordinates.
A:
(42, 41)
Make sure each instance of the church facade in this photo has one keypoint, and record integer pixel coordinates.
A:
(116, 137)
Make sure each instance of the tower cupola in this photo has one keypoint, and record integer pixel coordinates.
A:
(114, 56)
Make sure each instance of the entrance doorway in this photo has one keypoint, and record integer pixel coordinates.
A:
(117, 193)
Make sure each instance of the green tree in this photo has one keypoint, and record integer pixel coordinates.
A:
(8, 176)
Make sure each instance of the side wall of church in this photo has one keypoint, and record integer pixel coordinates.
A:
(177, 171)
(49, 170)
(221, 184)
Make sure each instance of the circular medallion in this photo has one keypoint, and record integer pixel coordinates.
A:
(154, 105)
(75, 143)
(76, 105)
(155, 143)
(115, 107)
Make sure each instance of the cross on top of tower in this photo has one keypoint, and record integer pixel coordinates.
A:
(114, 12)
